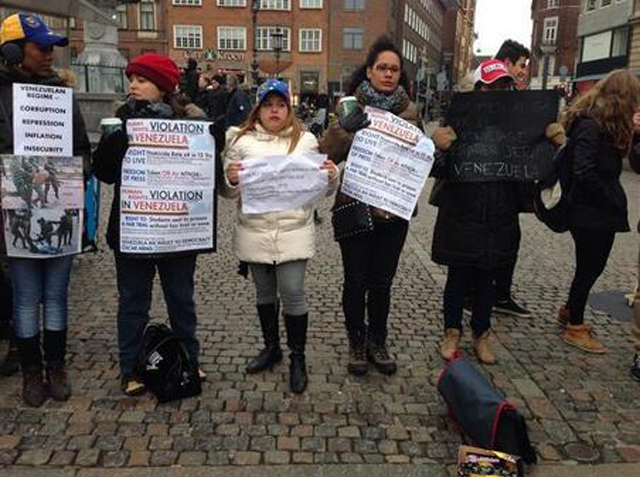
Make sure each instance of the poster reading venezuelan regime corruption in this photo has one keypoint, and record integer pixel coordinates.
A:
(167, 191)
(42, 204)
(42, 120)
(388, 164)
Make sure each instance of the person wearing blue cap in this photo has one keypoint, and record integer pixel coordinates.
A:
(276, 245)
(26, 55)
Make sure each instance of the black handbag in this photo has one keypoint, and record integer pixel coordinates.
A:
(351, 219)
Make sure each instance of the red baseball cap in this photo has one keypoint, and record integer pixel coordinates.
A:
(491, 71)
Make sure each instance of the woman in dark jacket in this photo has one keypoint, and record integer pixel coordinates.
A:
(600, 127)
(153, 81)
(370, 259)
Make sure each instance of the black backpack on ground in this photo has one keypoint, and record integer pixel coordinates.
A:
(552, 198)
(165, 367)
(482, 414)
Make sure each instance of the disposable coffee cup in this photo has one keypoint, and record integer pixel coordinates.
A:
(110, 125)
(347, 105)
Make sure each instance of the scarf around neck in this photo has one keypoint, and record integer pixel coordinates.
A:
(395, 102)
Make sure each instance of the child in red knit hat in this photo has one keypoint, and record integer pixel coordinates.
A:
(152, 94)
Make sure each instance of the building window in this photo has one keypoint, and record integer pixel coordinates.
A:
(605, 3)
(352, 38)
(310, 40)
(550, 32)
(232, 38)
(264, 38)
(147, 16)
(590, 5)
(232, 3)
(353, 5)
(553, 3)
(121, 17)
(620, 42)
(187, 36)
(310, 3)
(275, 4)
(187, 2)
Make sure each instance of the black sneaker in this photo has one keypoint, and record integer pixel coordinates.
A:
(635, 368)
(510, 307)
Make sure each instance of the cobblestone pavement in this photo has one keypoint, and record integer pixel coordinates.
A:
(568, 397)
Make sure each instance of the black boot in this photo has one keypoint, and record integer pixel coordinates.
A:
(296, 340)
(379, 356)
(272, 353)
(55, 349)
(11, 363)
(33, 391)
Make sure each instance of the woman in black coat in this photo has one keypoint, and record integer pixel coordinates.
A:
(600, 127)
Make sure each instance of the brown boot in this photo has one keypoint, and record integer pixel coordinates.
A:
(33, 391)
(483, 348)
(563, 315)
(449, 345)
(58, 382)
(583, 338)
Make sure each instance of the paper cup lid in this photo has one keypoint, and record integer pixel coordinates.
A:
(110, 121)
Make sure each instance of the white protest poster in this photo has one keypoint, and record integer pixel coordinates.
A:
(388, 164)
(167, 189)
(277, 183)
(43, 205)
(42, 120)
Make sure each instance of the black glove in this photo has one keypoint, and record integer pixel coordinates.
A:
(118, 142)
(354, 121)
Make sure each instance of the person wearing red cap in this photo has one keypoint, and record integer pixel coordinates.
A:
(152, 94)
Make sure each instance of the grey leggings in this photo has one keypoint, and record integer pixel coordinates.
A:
(286, 279)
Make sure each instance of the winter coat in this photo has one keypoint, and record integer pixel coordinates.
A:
(81, 144)
(477, 224)
(238, 108)
(336, 143)
(597, 197)
(108, 158)
(273, 237)
(634, 159)
(214, 103)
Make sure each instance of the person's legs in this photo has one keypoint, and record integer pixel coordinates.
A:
(27, 283)
(176, 278)
(135, 285)
(592, 252)
(290, 279)
(456, 290)
(56, 315)
(481, 316)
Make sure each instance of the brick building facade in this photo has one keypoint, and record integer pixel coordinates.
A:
(458, 38)
(554, 35)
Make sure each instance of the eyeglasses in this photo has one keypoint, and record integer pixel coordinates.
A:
(382, 68)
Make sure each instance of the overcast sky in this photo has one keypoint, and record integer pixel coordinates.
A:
(497, 20)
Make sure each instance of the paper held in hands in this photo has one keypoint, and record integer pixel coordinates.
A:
(285, 182)
(388, 164)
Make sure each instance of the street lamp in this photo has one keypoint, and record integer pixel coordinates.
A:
(255, 75)
(276, 45)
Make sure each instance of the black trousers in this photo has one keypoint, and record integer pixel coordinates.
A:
(592, 252)
(459, 281)
(370, 262)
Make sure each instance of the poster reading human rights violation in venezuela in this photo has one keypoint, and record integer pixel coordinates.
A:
(167, 192)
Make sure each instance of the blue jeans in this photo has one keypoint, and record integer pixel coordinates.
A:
(39, 282)
(286, 278)
(135, 284)
(459, 281)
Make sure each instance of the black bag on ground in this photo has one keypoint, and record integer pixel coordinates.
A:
(352, 218)
(482, 414)
(165, 366)
(552, 197)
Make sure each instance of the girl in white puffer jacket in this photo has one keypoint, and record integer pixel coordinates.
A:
(276, 245)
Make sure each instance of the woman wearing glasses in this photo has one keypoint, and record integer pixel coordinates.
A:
(370, 259)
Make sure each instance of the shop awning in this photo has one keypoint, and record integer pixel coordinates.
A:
(80, 9)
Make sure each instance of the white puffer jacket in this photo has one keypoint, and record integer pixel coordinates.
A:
(274, 237)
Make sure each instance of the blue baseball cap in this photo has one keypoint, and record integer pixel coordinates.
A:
(273, 86)
(29, 27)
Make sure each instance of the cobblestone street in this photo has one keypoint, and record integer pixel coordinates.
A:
(580, 408)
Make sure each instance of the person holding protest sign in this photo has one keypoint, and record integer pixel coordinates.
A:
(601, 129)
(276, 245)
(469, 215)
(370, 259)
(26, 51)
(152, 94)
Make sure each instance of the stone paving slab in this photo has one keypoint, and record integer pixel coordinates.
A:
(254, 422)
